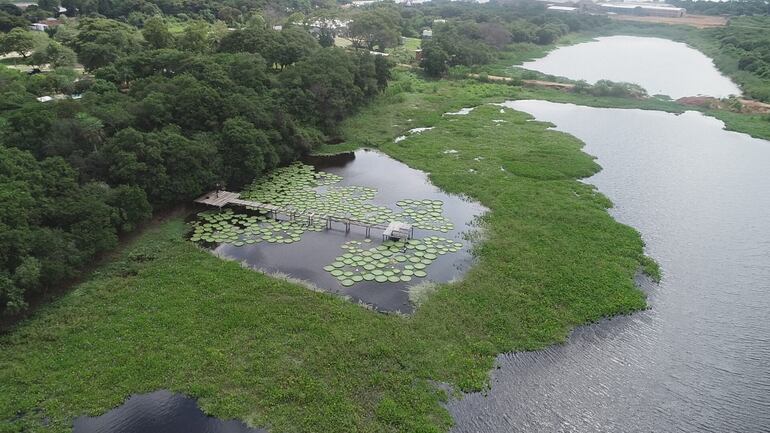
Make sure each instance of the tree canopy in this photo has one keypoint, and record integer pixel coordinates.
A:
(162, 118)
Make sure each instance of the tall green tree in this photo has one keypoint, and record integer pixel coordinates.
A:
(17, 40)
(156, 33)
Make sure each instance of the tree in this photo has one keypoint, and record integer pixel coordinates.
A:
(101, 42)
(131, 207)
(434, 59)
(255, 40)
(156, 33)
(326, 37)
(495, 35)
(322, 87)
(10, 21)
(243, 151)
(55, 54)
(195, 38)
(294, 44)
(229, 15)
(379, 27)
(17, 40)
(49, 5)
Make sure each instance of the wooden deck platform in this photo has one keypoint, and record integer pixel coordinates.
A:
(398, 230)
(393, 230)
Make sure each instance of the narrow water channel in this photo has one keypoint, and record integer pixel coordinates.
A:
(699, 359)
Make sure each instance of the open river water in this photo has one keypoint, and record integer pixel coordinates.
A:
(699, 359)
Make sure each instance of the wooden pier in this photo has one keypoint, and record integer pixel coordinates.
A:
(393, 230)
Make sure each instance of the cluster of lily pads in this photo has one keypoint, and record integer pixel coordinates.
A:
(240, 229)
(297, 187)
(390, 261)
(300, 188)
(425, 214)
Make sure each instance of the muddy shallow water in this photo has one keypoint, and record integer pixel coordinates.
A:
(159, 412)
(699, 359)
(394, 181)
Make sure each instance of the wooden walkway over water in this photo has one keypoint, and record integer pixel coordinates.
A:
(394, 229)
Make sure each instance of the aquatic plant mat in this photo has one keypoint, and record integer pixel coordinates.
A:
(168, 315)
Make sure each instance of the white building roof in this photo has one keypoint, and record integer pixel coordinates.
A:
(562, 8)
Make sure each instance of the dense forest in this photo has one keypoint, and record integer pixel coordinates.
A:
(157, 118)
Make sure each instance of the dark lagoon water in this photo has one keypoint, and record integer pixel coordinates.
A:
(660, 66)
(394, 181)
(699, 359)
(159, 412)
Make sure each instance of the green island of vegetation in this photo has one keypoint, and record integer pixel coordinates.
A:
(164, 113)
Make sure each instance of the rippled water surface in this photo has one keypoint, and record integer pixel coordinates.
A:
(660, 66)
(159, 412)
(699, 359)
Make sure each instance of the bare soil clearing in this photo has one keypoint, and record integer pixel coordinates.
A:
(697, 21)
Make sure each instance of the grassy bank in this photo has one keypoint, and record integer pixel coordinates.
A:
(169, 315)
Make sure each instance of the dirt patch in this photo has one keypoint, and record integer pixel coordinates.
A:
(740, 105)
(698, 21)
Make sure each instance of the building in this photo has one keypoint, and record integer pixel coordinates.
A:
(567, 9)
(427, 34)
(644, 9)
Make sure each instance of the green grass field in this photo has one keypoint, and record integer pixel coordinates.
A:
(169, 315)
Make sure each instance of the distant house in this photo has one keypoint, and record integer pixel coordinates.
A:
(44, 25)
(427, 34)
